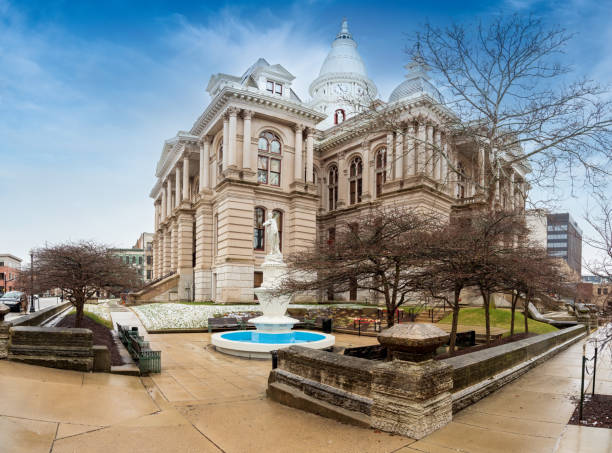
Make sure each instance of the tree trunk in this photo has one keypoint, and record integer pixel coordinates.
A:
(512, 312)
(453, 333)
(486, 299)
(526, 313)
(391, 316)
(78, 322)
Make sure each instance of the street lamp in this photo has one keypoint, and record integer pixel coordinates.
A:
(32, 309)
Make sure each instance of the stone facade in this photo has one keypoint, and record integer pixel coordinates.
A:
(258, 148)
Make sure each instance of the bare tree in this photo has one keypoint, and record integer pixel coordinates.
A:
(504, 82)
(80, 269)
(377, 252)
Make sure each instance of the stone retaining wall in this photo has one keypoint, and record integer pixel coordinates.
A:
(469, 369)
(54, 347)
(37, 318)
(404, 397)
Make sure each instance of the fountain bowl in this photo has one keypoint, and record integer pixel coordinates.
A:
(255, 344)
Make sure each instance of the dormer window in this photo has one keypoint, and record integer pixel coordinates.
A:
(274, 87)
(339, 116)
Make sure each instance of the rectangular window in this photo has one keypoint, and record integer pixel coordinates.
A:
(557, 236)
(557, 227)
(557, 245)
(262, 170)
(275, 168)
(270, 86)
(331, 236)
(352, 191)
(149, 275)
(605, 290)
(279, 88)
(149, 260)
(140, 260)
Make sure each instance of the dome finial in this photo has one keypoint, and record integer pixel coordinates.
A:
(417, 68)
(344, 31)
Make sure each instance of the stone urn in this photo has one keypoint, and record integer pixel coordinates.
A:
(413, 342)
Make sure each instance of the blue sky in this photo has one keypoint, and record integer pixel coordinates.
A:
(90, 90)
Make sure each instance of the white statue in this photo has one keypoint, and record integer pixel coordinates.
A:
(272, 236)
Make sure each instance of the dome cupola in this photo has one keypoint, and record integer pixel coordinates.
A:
(343, 84)
(416, 84)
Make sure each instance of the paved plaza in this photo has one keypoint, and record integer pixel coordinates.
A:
(204, 401)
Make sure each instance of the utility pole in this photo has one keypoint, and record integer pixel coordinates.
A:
(32, 309)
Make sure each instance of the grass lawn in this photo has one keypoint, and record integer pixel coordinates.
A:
(499, 318)
(95, 318)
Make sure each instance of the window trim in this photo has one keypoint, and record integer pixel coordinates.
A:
(332, 188)
(355, 180)
(380, 169)
(259, 230)
(269, 156)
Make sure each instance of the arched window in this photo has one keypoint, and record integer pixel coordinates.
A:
(332, 183)
(460, 181)
(258, 229)
(278, 216)
(381, 170)
(220, 159)
(339, 116)
(268, 166)
(355, 180)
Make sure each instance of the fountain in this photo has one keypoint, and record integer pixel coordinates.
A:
(274, 327)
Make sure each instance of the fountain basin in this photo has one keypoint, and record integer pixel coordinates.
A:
(258, 345)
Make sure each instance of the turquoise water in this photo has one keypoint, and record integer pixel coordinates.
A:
(251, 336)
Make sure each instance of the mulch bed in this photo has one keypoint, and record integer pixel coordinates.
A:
(101, 335)
(596, 412)
(480, 347)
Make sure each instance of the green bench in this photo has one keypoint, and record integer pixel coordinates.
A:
(148, 361)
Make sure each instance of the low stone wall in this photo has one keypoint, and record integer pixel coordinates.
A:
(411, 399)
(408, 398)
(477, 374)
(37, 318)
(54, 347)
(469, 369)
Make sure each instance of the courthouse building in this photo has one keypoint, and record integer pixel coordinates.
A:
(258, 148)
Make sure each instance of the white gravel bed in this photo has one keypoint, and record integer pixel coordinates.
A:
(182, 316)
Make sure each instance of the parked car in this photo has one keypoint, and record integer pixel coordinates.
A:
(13, 300)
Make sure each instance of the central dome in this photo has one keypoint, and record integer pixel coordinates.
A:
(343, 56)
(342, 87)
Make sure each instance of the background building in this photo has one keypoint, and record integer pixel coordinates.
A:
(134, 257)
(536, 222)
(564, 240)
(145, 242)
(10, 266)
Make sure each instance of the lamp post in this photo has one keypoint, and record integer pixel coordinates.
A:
(32, 309)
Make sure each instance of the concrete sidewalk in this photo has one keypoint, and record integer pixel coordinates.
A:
(204, 401)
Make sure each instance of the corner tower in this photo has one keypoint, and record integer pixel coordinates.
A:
(343, 86)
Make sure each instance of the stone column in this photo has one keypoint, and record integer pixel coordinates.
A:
(186, 178)
(309, 154)
(169, 197)
(164, 204)
(225, 141)
(231, 140)
(298, 167)
(421, 149)
(445, 160)
(399, 154)
(167, 250)
(342, 181)
(437, 160)
(174, 246)
(204, 165)
(177, 184)
(481, 170)
(185, 255)
(390, 156)
(430, 152)
(247, 158)
(367, 169)
(409, 161)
